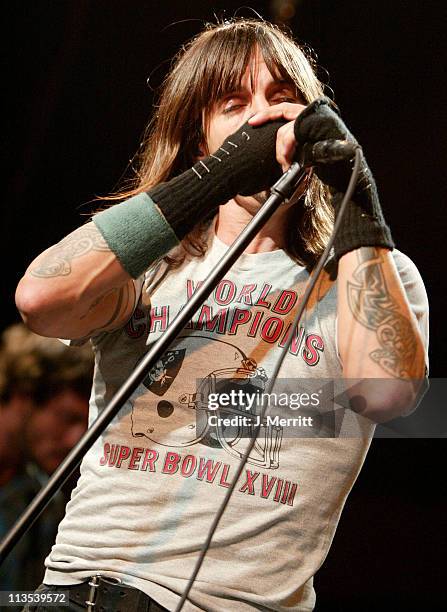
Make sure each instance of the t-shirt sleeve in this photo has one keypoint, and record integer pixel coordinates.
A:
(416, 295)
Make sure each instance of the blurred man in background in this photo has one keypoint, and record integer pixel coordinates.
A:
(44, 391)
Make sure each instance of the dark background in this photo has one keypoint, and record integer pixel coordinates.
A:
(75, 82)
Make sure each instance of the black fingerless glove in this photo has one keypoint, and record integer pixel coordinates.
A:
(363, 223)
(245, 164)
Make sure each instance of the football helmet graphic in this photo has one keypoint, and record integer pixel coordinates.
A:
(172, 407)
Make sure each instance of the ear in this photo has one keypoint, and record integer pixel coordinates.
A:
(200, 151)
(202, 147)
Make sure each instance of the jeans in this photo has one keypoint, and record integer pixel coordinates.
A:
(43, 607)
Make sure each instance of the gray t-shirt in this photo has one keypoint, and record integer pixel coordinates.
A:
(150, 486)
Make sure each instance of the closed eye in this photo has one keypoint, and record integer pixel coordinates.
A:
(281, 99)
(232, 108)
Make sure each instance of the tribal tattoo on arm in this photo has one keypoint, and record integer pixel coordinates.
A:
(373, 307)
(123, 299)
(57, 261)
(115, 303)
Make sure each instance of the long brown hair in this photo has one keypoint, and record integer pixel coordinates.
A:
(209, 66)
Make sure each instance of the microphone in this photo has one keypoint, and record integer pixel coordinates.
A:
(329, 151)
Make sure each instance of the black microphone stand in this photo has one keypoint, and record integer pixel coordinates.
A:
(280, 191)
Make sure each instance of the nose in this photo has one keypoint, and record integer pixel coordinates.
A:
(258, 103)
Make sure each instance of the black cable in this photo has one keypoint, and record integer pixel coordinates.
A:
(309, 288)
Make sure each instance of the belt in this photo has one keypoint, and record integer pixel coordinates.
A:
(104, 594)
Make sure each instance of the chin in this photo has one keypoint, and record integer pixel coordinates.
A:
(254, 202)
(261, 197)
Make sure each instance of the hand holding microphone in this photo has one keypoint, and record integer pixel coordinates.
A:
(247, 162)
(319, 130)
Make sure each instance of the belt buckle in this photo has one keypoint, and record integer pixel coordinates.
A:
(94, 583)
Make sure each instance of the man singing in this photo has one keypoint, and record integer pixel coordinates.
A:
(240, 104)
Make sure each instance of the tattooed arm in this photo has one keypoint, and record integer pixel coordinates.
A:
(76, 287)
(378, 335)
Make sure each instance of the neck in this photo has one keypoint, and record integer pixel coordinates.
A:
(238, 212)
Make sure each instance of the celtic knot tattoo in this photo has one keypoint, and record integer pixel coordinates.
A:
(57, 261)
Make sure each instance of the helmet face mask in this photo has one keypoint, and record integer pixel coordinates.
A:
(172, 407)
